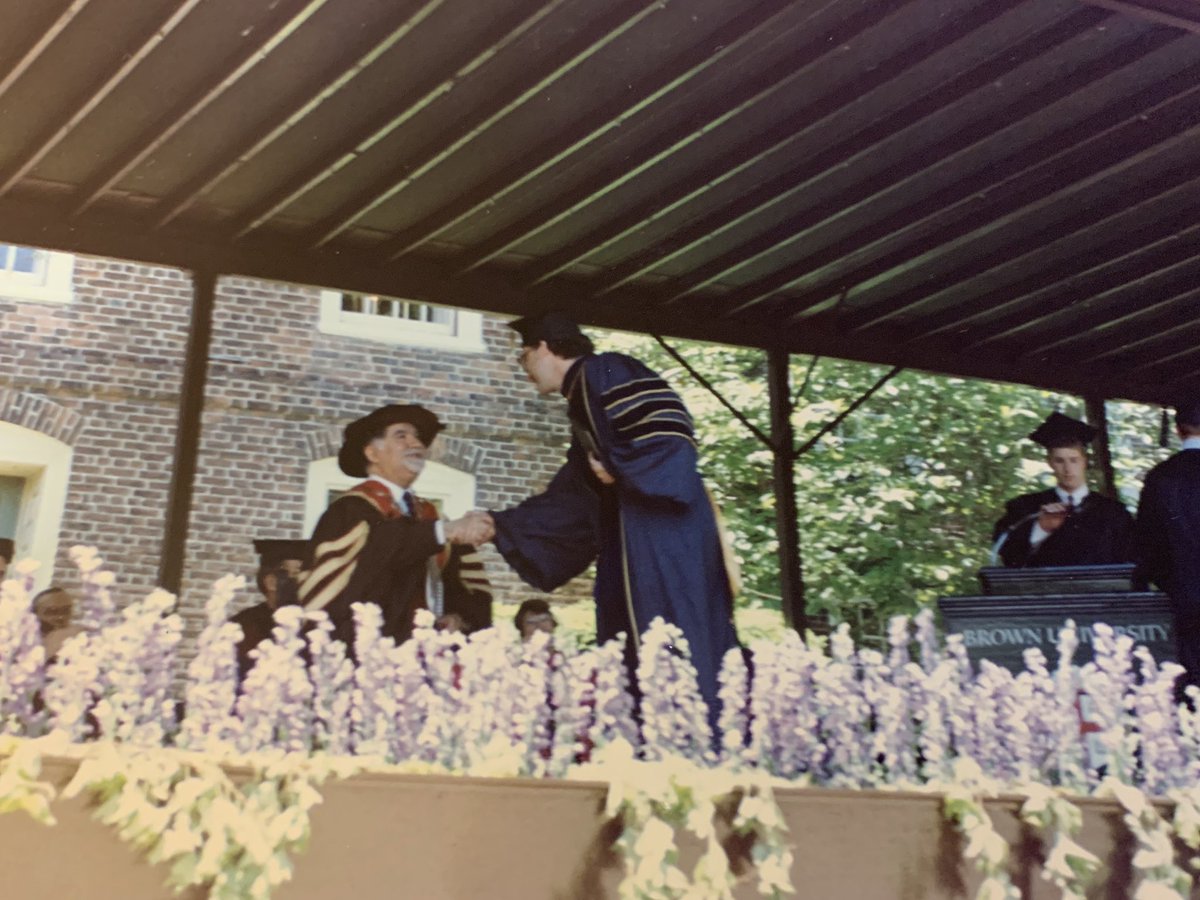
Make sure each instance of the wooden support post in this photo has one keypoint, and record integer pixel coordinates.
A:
(1097, 416)
(783, 440)
(187, 431)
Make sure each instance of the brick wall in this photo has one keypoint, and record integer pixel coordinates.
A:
(111, 359)
(278, 393)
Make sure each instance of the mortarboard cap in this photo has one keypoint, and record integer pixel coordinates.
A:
(6, 548)
(1062, 431)
(273, 551)
(1187, 412)
(359, 432)
(550, 326)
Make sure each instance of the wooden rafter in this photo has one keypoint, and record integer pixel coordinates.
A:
(127, 62)
(565, 58)
(742, 31)
(286, 19)
(289, 113)
(413, 101)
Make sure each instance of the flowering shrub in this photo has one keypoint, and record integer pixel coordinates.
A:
(819, 712)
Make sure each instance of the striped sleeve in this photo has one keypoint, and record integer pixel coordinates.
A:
(471, 573)
(646, 408)
(334, 562)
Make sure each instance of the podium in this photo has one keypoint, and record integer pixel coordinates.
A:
(1024, 608)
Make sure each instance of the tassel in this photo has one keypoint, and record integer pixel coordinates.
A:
(1164, 430)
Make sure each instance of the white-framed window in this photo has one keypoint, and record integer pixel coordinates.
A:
(27, 273)
(451, 490)
(391, 320)
(35, 470)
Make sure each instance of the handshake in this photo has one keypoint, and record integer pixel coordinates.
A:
(476, 527)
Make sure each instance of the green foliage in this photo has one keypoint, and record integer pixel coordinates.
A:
(897, 504)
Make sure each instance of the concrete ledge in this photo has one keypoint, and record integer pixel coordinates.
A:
(389, 836)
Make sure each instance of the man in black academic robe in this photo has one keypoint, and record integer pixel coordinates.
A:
(1168, 536)
(380, 543)
(279, 563)
(1067, 525)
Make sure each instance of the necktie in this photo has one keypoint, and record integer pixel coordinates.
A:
(1070, 504)
(408, 505)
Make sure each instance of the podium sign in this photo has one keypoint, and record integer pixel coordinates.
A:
(1000, 627)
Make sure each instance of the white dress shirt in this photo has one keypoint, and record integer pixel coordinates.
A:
(435, 596)
(1074, 497)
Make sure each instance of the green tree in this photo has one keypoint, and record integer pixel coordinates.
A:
(896, 505)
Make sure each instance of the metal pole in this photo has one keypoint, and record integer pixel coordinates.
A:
(1097, 415)
(783, 439)
(187, 431)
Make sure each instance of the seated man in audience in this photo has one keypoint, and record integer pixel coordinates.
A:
(279, 563)
(534, 616)
(1068, 524)
(54, 608)
(6, 556)
(380, 543)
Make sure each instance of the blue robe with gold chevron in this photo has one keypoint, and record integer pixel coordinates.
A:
(653, 533)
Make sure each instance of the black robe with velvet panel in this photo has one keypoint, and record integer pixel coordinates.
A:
(365, 549)
(1099, 532)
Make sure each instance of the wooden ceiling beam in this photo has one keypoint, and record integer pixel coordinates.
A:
(1133, 255)
(128, 61)
(1129, 352)
(292, 110)
(1148, 14)
(889, 183)
(279, 26)
(961, 211)
(756, 23)
(739, 161)
(103, 234)
(1087, 183)
(562, 59)
(414, 100)
(34, 51)
(1131, 246)
(1082, 318)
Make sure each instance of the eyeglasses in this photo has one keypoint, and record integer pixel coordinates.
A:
(523, 356)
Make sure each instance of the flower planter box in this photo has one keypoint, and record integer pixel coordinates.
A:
(389, 836)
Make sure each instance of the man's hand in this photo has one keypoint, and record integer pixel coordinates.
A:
(1051, 516)
(476, 527)
(599, 471)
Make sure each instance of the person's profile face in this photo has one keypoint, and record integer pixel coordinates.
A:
(1069, 465)
(538, 363)
(53, 610)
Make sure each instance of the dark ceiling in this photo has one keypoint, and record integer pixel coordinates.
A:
(1002, 188)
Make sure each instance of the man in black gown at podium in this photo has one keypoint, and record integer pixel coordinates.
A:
(1067, 525)
(1169, 537)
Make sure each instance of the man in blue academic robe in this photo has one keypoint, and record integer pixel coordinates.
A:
(629, 497)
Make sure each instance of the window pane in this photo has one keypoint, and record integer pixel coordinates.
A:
(3, 256)
(26, 260)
